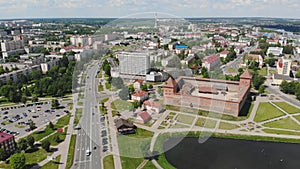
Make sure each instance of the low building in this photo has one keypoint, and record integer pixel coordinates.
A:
(211, 62)
(276, 51)
(124, 126)
(153, 106)
(143, 117)
(224, 54)
(257, 58)
(138, 84)
(7, 142)
(140, 96)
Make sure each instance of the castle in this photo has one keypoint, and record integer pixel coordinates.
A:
(221, 96)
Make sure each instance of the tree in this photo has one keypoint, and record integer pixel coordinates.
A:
(55, 104)
(124, 93)
(131, 88)
(51, 126)
(30, 141)
(160, 91)
(56, 138)
(35, 99)
(261, 89)
(117, 82)
(17, 161)
(22, 144)
(3, 155)
(32, 125)
(151, 86)
(24, 99)
(144, 87)
(257, 81)
(46, 145)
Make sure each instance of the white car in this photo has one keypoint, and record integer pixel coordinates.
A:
(88, 152)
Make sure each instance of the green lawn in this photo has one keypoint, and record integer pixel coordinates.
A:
(38, 135)
(133, 145)
(206, 123)
(37, 155)
(287, 107)
(108, 162)
(185, 119)
(100, 88)
(267, 111)
(52, 164)
(63, 121)
(227, 126)
(272, 131)
(149, 165)
(121, 105)
(104, 100)
(107, 86)
(19, 126)
(263, 71)
(71, 152)
(61, 136)
(130, 163)
(297, 117)
(286, 123)
(100, 75)
(179, 126)
(80, 103)
(78, 115)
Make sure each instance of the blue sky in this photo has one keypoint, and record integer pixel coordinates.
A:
(121, 8)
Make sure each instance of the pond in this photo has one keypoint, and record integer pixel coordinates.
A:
(221, 153)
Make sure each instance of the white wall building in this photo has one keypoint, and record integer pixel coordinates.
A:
(133, 63)
(276, 51)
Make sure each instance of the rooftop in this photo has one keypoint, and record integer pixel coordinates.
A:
(211, 59)
(5, 136)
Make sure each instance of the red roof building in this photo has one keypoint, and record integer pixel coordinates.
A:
(211, 62)
(7, 142)
(144, 117)
(140, 96)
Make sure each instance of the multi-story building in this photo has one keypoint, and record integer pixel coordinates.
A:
(7, 142)
(211, 62)
(12, 47)
(284, 66)
(133, 63)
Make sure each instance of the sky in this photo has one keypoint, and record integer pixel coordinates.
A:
(122, 8)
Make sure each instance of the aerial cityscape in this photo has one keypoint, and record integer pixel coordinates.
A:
(109, 85)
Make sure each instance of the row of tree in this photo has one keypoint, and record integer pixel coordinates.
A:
(291, 88)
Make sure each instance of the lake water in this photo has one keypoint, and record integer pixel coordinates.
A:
(219, 153)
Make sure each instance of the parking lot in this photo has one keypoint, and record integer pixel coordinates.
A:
(15, 120)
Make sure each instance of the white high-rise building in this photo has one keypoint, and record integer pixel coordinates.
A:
(134, 63)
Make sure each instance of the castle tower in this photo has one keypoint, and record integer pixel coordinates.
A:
(245, 79)
(170, 87)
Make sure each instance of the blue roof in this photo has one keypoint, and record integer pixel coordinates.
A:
(181, 47)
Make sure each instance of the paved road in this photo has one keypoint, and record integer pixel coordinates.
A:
(89, 136)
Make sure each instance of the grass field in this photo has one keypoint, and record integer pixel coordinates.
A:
(185, 119)
(63, 121)
(100, 88)
(287, 107)
(34, 156)
(80, 103)
(52, 164)
(61, 136)
(78, 115)
(71, 152)
(272, 131)
(286, 123)
(267, 111)
(227, 126)
(121, 105)
(149, 165)
(297, 117)
(263, 71)
(107, 86)
(134, 145)
(108, 162)
(130, 163)
(179, 126)
(206, 123)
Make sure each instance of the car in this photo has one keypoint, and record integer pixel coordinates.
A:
(5, 117)
(6, 112)
(104, 141)
(47, 111)
(102, 119)
(105, 148)
(27, 130)
(57, 115)
(87, 152)
(35, 116)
